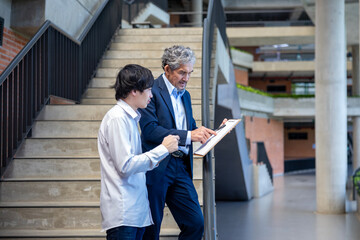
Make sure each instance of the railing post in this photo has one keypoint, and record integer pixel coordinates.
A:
(80, 69)
(208, 177)
(129, 13)
(49, 56)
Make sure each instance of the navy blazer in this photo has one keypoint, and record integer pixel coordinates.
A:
(158, 121)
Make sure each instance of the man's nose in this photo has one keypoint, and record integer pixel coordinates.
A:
(186, 77)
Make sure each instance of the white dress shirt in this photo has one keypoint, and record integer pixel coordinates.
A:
(124, 197)
(179, 111)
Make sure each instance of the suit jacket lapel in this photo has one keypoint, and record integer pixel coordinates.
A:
(165, 95)
(187, 106)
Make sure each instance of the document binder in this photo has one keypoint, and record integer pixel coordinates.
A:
(214, 139)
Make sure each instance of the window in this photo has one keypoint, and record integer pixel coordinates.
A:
(1, 30)
(304, 88)
(276, 88)
(297, 136)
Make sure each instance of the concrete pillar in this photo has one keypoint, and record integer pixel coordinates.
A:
(330, 106)
(197, 8)
(356, 120)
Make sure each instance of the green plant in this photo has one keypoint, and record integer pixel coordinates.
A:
(250, 89)
(295, 96)
(356, 180)
(280, 95)
(240, 50)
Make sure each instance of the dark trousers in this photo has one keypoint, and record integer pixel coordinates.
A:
(178, 192)
(125, 233)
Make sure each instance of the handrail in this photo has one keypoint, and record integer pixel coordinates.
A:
(51, 63)
(41, 31)
(215, 16)
(30, 44)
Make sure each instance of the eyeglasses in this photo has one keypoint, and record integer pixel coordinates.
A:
(183, 73)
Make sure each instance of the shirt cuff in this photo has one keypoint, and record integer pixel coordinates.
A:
(188, 138)
(161, 152)
(156, 155)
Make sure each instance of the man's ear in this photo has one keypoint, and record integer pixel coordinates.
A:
(167, 69)
(133, 92)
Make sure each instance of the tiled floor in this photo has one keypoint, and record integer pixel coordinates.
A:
(288, 213)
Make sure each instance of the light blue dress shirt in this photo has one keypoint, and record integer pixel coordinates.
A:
(179, 111)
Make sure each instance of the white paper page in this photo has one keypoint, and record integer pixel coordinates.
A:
(213, 140)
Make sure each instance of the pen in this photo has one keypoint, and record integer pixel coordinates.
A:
(219, 128)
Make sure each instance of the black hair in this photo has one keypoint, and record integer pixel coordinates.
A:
(132, 77)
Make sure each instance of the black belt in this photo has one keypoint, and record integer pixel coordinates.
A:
(179, 154)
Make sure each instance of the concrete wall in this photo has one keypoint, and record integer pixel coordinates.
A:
(242, 58)
(71, 16)
(27, 16)
(253, 104)
(252, 51)
(271, 132)
(294, 108)
(5, 11)
(298, 148)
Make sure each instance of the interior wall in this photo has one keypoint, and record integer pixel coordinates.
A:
(271, 132)
(299, 148)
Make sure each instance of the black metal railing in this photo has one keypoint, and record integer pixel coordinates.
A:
(215, 19)
(133, 7)
(52, 63)
(263, 157)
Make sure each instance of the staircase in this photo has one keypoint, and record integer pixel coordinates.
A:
(52, 187)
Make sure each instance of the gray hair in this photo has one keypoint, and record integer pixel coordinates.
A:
(176, 56)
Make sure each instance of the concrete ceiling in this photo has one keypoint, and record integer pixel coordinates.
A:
(287, 13)
(351, 18)
(255, 36)
(284, 28)
(261, 4)
(266, 13)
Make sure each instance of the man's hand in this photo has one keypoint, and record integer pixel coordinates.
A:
(201, 134)
(171, 143)
(224, 121)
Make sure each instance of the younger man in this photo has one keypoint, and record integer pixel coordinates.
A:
(124, 199)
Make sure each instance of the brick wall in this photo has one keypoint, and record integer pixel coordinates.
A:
(299, 148)
(12, 45)
(271, 132)
(241, 77)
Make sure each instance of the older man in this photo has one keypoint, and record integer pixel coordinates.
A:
(170, 112)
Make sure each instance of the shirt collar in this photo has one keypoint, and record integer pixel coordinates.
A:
(171, 87)
(129, 110)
